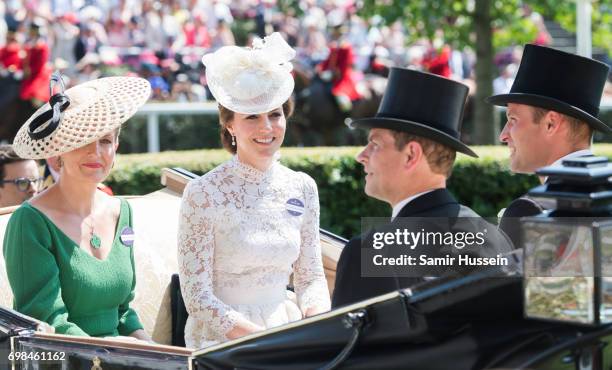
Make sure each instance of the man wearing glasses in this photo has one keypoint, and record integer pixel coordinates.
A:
(19, 178)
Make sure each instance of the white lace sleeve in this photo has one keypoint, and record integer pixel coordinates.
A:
(196, 245)
(309, 277)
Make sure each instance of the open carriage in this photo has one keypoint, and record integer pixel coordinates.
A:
(158, 301)
(407, 329)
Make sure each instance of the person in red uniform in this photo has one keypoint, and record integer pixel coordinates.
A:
(35, 86)
(437, 61)
(338, 67)
(11, 54)
(11, 74)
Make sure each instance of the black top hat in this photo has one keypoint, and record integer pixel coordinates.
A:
(422, 104)
(559, 81)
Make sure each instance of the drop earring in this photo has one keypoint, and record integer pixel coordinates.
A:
(233, 140)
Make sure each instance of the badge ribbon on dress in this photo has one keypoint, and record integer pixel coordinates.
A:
(127, 236)
(295, 207)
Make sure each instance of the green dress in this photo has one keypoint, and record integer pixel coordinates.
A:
(55, 281)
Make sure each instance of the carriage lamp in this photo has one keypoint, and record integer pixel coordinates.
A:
(568, 247)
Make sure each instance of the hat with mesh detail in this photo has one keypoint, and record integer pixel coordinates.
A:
(251, 80)
(80, 115)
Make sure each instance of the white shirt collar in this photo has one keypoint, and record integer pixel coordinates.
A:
(398, 207)
(576, 154)
(579, 153)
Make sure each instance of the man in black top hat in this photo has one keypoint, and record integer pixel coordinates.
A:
(551, 114)
(411, 149)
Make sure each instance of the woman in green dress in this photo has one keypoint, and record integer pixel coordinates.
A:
(68, 251)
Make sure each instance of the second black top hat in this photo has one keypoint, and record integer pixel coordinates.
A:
(422, 104)
(559, 81)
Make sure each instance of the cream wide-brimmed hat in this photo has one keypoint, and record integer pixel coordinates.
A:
(80, 115)
(251, 80)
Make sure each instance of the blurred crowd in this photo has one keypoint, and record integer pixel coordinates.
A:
(163, 41)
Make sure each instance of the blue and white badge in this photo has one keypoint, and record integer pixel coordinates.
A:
(127, 236)
(295, 207)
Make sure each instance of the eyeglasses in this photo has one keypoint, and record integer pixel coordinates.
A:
(23, 183)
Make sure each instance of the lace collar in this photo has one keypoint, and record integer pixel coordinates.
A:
(250, 173)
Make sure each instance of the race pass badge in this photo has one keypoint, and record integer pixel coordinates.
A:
(127, 236)
(295, 207)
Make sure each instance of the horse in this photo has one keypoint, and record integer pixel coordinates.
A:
(316, 110)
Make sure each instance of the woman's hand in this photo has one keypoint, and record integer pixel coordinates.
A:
(242, 329)
(135, 337)
(122, 338)
(142, 335)
(311, 311)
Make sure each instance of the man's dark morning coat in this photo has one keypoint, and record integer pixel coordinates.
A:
(352, 287)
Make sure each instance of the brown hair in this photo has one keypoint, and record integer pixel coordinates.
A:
(579, 131)
(7, 156)
(439, 157)
(226, 116)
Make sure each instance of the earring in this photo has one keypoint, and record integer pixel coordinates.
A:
(233, 140)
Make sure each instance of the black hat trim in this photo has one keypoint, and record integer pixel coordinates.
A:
(59, 103)
(414, 128)
(549, 103)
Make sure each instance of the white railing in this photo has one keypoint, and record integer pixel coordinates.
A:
(153, 110)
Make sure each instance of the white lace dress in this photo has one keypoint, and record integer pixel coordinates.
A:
(242, 232)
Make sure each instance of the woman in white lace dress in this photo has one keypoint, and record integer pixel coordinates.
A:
(250, 223)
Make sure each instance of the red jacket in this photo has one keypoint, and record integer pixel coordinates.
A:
(9, 56)
(340, 61)
(439, 62)
(36, 83)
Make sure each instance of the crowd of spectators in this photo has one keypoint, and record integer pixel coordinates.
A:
(163, 41)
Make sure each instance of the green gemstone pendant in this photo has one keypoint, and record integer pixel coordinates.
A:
(95, 241)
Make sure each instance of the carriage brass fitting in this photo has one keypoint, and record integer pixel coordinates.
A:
(355, 319)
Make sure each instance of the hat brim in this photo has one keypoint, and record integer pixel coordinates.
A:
(549, 103)
(415, 128)
(96, 108)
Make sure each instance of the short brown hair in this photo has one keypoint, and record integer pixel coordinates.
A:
(226, 116)
(579, 130)
(439, 156)
(7, 156)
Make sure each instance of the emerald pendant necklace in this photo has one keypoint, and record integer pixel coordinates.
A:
(94, 240)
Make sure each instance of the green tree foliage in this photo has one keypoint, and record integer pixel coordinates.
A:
(456, 18)
(564, 12)
(485, 26)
